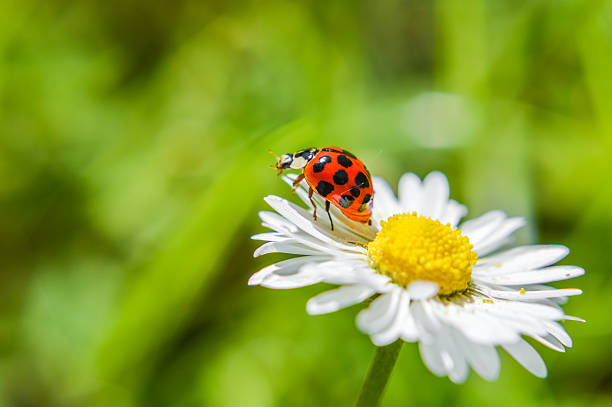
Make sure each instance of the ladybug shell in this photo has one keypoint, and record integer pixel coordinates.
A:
(342, 179)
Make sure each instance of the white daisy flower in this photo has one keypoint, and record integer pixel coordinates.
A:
(435, 282)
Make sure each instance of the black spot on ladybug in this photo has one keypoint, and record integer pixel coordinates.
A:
(349, 153)
(320, 166)
(344, 161)
(324, 188)
(346, 201)
(340, 177)
(332, 150)
(355, 192)
(317, 167)
(362, 180)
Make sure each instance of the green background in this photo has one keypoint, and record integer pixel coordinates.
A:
(133, 161)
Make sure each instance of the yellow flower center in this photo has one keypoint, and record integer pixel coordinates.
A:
(411, 247)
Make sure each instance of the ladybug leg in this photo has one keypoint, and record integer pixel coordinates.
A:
(314, 205)
(297, 181)
(327, 205)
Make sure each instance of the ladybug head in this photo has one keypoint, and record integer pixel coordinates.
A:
(284, 161)
(295, 161)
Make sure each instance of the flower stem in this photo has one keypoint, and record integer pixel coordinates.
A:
(379, 373)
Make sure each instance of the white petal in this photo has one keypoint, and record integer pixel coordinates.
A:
(296, 280)
(430, 353)
(365, 276)
(479, 228)
(349, 271)
(385, 203)
(395, 329)
(379, 314)
(523, 258)
(276, 222)
(421, 290)
(285, 267)
(556, 330)
(435, 195)
(453, 357)
(322, 247)
(526, 325)
(503, 307)
(534, 295)
(523, 353)
(334, 300)
(499, 321)
(410, 192)
(571, 318)
(476, 324)
(453, 213)
(549, 341)
(270, 236)
(426, 320)
(545, 275)
(485, 329)
(283, 247)
(499, 237)
(460, 371)
(483, 358)
(409, 331)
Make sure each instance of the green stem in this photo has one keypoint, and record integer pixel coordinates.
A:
(379, 373)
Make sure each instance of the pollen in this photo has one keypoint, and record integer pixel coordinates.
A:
(411, 247)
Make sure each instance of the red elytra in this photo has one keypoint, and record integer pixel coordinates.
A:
(337, 176)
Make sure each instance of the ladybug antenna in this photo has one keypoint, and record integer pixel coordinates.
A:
(278, 165)
(277, 159)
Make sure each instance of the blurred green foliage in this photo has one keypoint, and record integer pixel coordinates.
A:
(133, 162)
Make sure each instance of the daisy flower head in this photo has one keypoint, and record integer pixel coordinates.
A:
(443, 284)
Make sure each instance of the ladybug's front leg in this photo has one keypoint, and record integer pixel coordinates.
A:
(297, 181)
(314, 205)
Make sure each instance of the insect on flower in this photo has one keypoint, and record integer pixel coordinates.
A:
(337, 176)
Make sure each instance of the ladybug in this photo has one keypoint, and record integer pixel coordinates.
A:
(337, 176)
